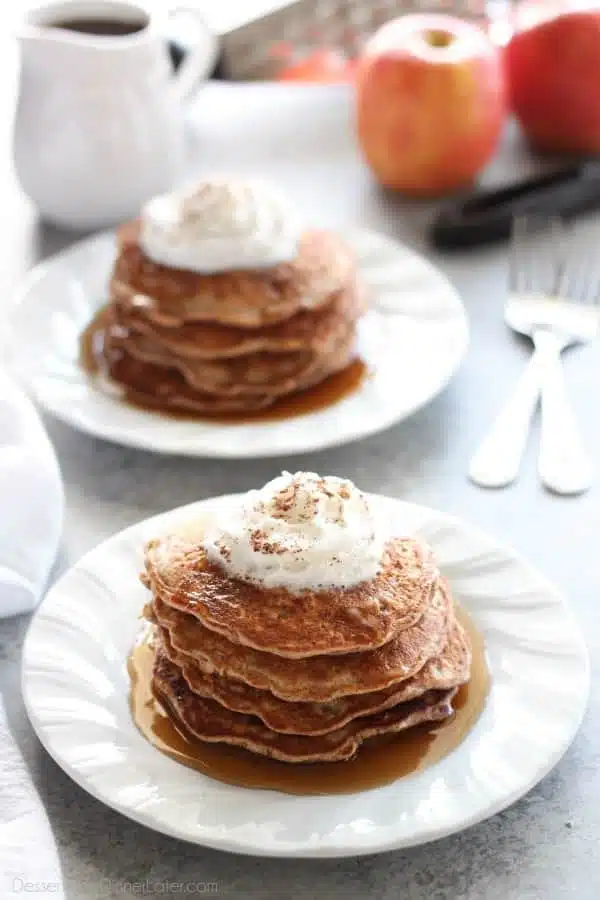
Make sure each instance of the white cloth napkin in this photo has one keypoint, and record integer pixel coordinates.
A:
(28, 858)
(31, 514)
(31, 502)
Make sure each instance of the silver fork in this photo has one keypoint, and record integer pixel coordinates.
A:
(553, 299)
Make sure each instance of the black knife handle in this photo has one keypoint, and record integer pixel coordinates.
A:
(488, 216)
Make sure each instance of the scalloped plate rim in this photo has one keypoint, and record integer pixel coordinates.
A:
(341, 850)
(300, 440)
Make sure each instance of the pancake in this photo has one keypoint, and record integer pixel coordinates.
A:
(362, 617)
(249, 299)
(272, 374)
(448, 670)
(206, 720)
(165, 388)
(313, 678)
(308, 330)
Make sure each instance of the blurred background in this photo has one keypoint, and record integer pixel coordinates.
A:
(260, 38)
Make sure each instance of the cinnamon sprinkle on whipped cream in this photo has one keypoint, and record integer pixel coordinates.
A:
(300, 532)
(220, 225)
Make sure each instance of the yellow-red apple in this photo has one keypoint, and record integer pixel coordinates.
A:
(553, 71)
(430, 103)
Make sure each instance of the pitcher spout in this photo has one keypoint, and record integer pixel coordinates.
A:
(83, 23)
(27, 34)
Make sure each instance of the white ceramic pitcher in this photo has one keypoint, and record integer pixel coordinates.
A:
(100, 122)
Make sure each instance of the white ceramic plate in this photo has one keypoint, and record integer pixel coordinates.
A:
(75, 686)
(414, 338)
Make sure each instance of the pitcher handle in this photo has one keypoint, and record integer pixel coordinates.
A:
(200, 62)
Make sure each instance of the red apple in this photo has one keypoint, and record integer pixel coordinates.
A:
(430, 103)
(553, 71)
(320, 66)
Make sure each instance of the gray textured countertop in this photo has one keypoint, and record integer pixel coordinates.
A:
(546, 846)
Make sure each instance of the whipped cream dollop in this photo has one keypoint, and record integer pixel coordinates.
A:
(220, 225)
(299, 532)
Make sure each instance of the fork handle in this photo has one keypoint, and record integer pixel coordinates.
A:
(496, 462)
(564, 465)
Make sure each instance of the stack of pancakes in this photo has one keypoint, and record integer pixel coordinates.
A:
(302, 677)
(228, 342)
